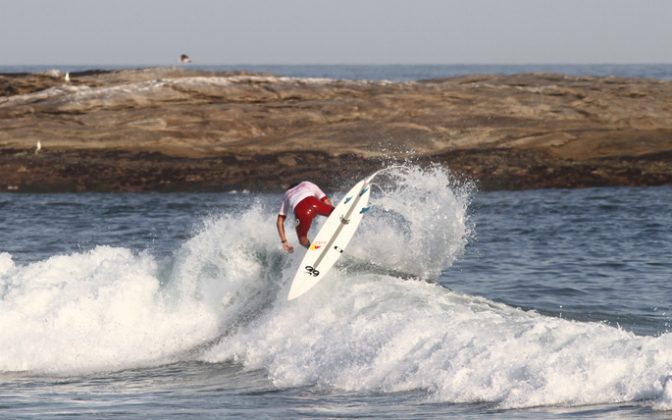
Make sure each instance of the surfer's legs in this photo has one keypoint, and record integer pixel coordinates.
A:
(302, 227)
(305, 212)
(303, 240)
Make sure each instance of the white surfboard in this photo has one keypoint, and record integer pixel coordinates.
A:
(332, 239)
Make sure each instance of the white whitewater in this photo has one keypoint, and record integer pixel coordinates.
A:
(222, 298)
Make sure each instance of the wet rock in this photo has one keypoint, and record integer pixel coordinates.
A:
(177, 129)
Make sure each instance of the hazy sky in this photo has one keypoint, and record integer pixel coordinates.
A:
(335, 32)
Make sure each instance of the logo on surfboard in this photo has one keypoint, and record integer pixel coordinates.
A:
(317, 245)
(310, 270)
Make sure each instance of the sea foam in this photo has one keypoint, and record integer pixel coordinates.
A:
(101, 309)
(222, 298)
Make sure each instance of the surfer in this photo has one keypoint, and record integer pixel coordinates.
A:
(306, 200)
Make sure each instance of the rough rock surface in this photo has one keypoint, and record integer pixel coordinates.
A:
(179, 130)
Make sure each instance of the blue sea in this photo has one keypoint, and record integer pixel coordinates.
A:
(449, 303)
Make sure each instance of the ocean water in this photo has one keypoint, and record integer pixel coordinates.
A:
(527, 304)
(394, 72)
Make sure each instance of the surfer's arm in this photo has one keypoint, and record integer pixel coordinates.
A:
(281, 231)
(325, 200)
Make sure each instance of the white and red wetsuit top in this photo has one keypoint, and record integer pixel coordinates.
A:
(305, 200)
(293, 196)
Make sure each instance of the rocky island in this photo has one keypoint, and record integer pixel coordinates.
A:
(163, 129)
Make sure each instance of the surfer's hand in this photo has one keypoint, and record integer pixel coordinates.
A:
(287, 247)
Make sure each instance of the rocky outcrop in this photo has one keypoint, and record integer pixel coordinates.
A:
(170, 129)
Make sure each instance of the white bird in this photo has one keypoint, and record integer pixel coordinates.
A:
(67, 77)
(185, 59)
(38, 147)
